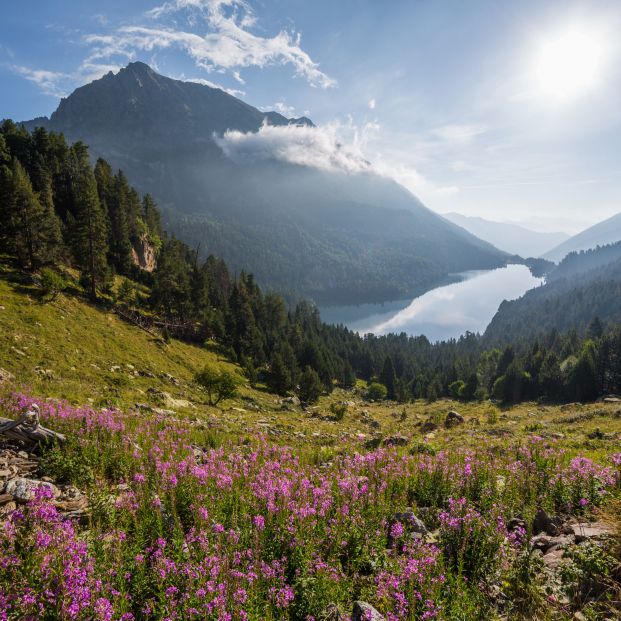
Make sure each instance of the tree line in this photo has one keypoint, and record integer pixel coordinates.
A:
(56, 208)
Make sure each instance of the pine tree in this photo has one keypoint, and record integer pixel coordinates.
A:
(90, 230)
(32, 229)
(388, 377)
(310, 386)
(279, 379)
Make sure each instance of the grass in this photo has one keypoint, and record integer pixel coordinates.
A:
(289, 509)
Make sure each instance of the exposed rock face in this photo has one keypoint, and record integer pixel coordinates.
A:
(143, 254)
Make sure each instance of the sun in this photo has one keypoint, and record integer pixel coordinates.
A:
(569, 64)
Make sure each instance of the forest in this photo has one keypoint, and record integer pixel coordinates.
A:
(57, 209)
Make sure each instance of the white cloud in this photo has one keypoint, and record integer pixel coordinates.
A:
(231, 91)
(334, 147)
(459, 134)
(228, 44)
(58, 84)
(50, 82)
(282, 108)
(317, 147)
(372, 104)
(225, 44)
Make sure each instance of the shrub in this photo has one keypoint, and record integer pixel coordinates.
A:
(376, 392)
(339, 410)
(219, 385)
(52, 283)
(310, 387)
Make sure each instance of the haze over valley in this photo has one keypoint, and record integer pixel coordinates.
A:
(310, 311)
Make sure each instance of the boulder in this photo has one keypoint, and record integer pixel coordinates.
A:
(453, 418)
(365, 612)
(428, 426)
(411, 521)
(592, 530)
(396, 441)
(24, 490)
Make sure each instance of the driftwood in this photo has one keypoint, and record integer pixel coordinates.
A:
(27, 428)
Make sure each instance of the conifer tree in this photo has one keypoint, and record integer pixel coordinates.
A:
(90, 231)
(33, 229)
(388, 377)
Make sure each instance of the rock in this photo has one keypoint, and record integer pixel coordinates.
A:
(24, 490)
(554, 557)
(411, 521)
(611, 400)
(365, 612)
(290, 401)
(373, 443)
(453, 418)
(44, 373)
(428, 426)
(170, 378)
(374, 424)
(515, 523)
(5, 376)
(543, 523)
(546, 544)
(396, 441)
(592, 530)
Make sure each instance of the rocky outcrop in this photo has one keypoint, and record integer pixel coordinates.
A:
(143, 254)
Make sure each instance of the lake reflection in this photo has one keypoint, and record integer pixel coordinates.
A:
(442, 313)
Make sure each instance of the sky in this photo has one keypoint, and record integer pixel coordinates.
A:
(504, 109)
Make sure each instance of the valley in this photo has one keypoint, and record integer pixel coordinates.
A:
(292, 324)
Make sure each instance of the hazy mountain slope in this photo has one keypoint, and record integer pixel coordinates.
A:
(330, 235)
(585, 285)
(576, 263)
(606, 232)
(509, 237)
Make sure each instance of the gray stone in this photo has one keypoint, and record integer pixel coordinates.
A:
(24, 490)
(5, 376)
(592, 530)
(365, 612)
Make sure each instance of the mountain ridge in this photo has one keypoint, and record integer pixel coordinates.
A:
(603, 233)
(509, 237)
(316, 233)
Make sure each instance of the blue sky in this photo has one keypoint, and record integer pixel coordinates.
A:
(510, 110)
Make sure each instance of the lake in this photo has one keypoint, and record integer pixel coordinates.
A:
(442, 313)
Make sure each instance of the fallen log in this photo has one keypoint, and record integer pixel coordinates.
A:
(27, 428)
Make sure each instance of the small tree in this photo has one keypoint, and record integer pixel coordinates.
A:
(310, 386)
(52, 283)
(219, 385)
(376, 392)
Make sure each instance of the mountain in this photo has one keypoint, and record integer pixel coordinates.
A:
(331, 235)
(606, 232)
(512, 238)
(583, 286)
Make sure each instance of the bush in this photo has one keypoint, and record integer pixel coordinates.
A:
(219, 385)
(310, 387)
(339, 410)
(52, 283)
(376, 392)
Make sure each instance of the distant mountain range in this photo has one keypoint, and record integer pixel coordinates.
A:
(334, 236)
(511, 238)
(606, 232)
